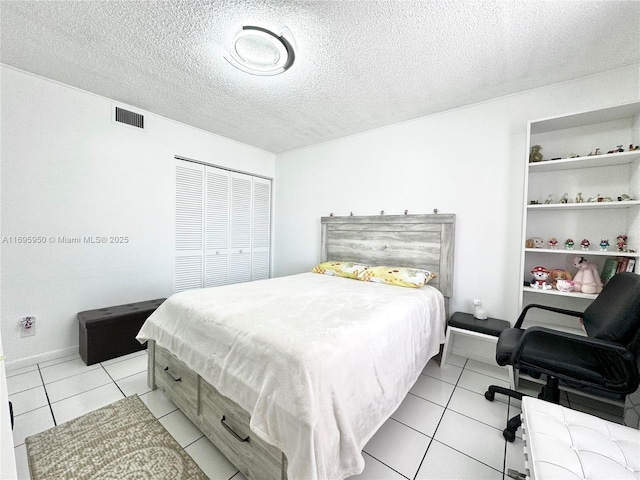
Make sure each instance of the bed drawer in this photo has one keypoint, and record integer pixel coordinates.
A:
(177, 380)
(255, 458)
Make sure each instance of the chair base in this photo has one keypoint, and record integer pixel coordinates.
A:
(549, 393)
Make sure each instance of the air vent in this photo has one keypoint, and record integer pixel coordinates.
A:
(129, 118)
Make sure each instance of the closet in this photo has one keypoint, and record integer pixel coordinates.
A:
(222, 226)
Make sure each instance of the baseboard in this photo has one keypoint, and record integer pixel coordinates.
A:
(43, 357)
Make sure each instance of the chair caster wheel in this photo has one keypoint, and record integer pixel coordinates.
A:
(489, 395)
(508, 435)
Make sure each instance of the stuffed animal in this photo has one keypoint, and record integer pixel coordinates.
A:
(558, 274)
(540, 275)
(587, 279)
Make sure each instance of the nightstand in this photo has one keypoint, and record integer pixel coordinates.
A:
(462, 323)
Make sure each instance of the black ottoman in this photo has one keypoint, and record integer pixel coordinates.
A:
(467, 324)
(107, 333)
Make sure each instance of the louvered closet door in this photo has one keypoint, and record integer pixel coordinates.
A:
(240, 240)
(261, 233)
(189, 226)
(216, 255)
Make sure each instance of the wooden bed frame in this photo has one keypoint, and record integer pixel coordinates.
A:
(416, 241)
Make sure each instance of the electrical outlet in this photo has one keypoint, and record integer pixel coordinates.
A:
(27, 327)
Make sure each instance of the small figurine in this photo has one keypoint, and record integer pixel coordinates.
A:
(549, 199)
(599, 198)
(604, 245)
(621, 243)
(587, 279)
(558, 275)
(534, 202)
(618, 149)
(565, 286)
(540, 275)
(573, 155)
(535, 155)
(595, 152)
(564, 198)
(537, 242)
(579, 198)
(625, 198)
(585, 244)
(568, 244)
(553, 243)
(633, 148)
(479, 312)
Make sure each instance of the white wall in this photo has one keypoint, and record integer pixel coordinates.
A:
(67, 170)
(469, 161)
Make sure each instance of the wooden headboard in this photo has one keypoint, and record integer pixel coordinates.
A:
(415, 241)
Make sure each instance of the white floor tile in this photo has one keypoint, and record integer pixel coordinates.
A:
(376, 470)
(433, 390)
(476, 406)
(11, 371)
(158, 403)
(30, 423)
(445, 463)
(23, 381)
(419, 414)
(473, 438)
(55, 361)
(456, 360)
(478, 382)
(66, 369)
(76, 384)
(28, 400)
(210, 460)
(124, 357)
(22, 463)
(181, 428)
(492, 370)
(399, 447)
(134, 384)
(86, 402)
(447, 373)
(128, 367)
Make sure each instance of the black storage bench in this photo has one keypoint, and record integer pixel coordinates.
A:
(107, 333)
(466, 324)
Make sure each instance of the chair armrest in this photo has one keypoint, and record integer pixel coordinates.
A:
(562, 311)
(578, 359)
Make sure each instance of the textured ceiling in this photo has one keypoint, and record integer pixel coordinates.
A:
(359, 64)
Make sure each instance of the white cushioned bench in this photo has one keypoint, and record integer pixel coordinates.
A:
(561, 443)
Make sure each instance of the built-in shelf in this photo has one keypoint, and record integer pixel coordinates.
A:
(553, 291)
(584, 205)
(604, 160)
(584, 253)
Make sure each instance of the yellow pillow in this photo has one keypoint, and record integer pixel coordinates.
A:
(404, 277)
(340, 269)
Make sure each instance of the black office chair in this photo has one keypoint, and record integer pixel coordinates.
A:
(602, 363)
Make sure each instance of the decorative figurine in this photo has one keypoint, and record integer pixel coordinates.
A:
(599, 198)
(553, 243)
(479, 312)
(564, 198)
(535, 155)
(549, 199)
(573, 155)
(579, 198)
(585, 244)
(633, 148)
(587, 279)
(621, 243)
(534, 202)
(625, 198)
(568, 244)
(565, 286)
(604, 245)
(537, 242)
(595, 152)
(558, 275)
(540, 275)
(618, 149)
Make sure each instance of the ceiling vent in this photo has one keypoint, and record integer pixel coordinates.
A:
(129, 118)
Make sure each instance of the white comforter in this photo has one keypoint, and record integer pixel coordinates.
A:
(319, 362)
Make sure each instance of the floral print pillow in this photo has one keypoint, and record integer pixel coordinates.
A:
(341, 269)
(404, 277)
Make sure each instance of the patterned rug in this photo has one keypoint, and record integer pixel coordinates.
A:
(120, 441)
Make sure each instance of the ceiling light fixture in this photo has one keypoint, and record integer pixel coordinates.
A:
(259, 51)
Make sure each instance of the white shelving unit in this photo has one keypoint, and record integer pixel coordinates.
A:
(609, 175)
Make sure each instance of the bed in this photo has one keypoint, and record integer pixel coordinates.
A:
(290, 377)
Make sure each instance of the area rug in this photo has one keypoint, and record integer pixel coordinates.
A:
(120, 441)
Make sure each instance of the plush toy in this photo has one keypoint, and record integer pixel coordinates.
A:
(587, 279)
(540, 275)
(558, 274)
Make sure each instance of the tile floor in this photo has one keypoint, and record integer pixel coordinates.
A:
(444, 429)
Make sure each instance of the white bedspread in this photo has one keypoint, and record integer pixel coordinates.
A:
(319, 362)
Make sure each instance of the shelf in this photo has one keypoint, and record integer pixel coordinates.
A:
(583, 206)
(604, 160)
(564, 251)
(589, 296)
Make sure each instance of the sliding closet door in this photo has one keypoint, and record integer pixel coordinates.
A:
(240, 261)
(261, 229)
(216, 255)
(188, 226)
